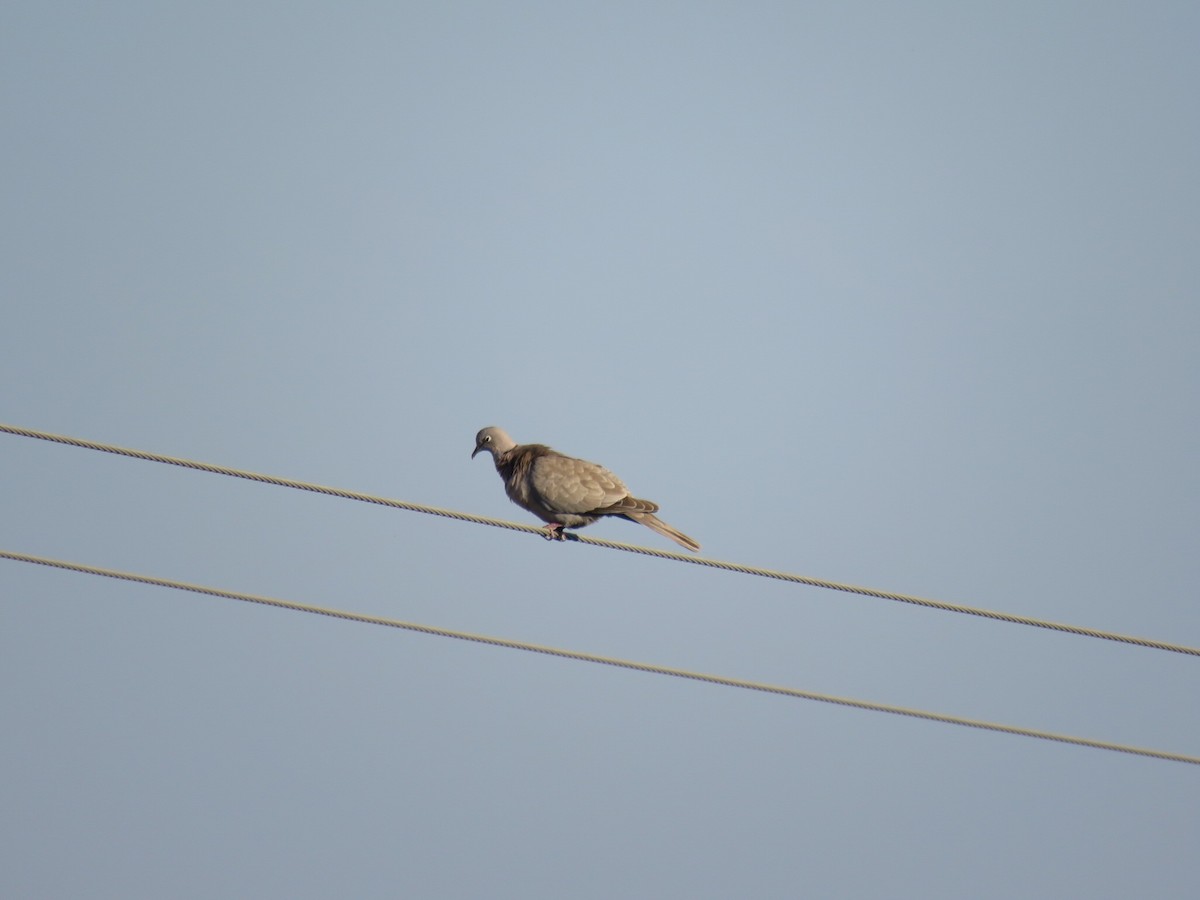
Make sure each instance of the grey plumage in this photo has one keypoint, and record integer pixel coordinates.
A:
(565, 492)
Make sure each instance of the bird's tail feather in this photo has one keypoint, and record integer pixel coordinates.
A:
(654, 522)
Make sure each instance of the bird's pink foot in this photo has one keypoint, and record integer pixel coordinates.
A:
(554, 532)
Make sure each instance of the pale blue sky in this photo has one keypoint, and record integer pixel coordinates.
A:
(903, 295)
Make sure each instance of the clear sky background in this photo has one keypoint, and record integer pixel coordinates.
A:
(897, 294)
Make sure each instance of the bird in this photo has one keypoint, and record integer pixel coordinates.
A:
(565, 492)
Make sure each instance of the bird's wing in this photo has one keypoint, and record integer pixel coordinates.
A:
(568, 485)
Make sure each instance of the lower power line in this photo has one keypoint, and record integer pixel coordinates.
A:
(596, 658)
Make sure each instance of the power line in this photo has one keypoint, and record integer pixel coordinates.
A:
(910, 599)
(602, 660)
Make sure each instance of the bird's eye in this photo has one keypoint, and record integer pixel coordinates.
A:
(487, 438)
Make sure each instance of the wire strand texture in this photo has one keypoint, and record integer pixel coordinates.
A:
(579, 656)
(910, 599)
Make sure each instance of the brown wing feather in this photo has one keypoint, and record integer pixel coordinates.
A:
(568, 485)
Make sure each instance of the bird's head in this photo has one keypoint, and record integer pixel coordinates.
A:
(494, 440)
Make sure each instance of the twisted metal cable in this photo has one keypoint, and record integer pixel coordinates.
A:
(579, 656)
(911, 599)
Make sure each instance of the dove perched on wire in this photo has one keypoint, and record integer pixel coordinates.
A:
(565, 492)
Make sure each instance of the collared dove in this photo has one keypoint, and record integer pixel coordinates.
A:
(566, 492)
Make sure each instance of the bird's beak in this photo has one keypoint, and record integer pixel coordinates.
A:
(473, 452)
